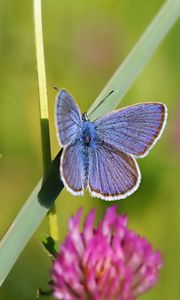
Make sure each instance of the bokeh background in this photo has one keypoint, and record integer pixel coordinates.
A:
(85, 41)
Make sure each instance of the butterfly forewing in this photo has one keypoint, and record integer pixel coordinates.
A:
(133, 129)
(112, 174)
(68, 118)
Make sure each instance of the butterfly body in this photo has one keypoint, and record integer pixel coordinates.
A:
(86, 141)
(100, 155)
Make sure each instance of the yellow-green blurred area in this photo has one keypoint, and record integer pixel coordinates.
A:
(85, 41)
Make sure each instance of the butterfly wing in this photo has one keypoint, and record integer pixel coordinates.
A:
(68, 118)
(134, 129)
(113, 174)
(71, 169)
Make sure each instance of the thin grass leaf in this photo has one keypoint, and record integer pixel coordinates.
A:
(29, 217)
(47, 190)
(128, 71)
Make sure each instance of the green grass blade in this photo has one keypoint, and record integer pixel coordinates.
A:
(137, 59)
(29, 217)
(44, 194)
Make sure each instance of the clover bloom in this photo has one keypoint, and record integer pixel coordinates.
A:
(109, 262)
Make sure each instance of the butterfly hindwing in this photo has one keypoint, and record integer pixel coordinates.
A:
(133, 129)
(112, 174)
(71, 169)
(68, 118)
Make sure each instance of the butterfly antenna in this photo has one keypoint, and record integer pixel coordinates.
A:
(56, 88)
(101, 102)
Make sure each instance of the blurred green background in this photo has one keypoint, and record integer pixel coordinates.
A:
(85, 41)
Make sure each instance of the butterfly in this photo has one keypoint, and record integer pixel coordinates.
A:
(101, 155)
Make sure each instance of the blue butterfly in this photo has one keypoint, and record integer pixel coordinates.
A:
(100, 155)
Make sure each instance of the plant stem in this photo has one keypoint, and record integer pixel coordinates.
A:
(43, 101)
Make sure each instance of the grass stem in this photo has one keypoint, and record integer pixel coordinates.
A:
(43, 101)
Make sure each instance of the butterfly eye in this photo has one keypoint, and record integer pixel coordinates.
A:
(85, 117)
